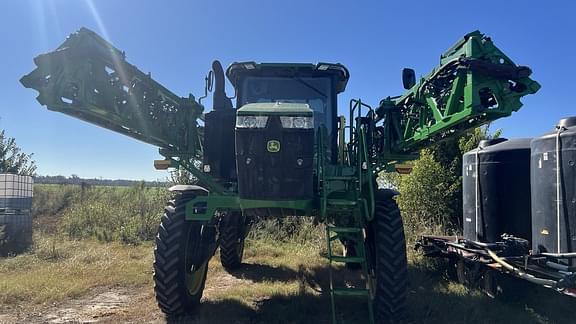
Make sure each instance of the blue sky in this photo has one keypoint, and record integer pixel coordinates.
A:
(177, 40)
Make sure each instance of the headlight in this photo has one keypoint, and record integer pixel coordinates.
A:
(251, 121)
(297, 122)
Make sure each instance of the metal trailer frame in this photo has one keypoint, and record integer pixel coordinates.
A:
(477, 261)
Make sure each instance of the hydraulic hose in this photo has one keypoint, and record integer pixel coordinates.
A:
(560, 255)
(521, 274)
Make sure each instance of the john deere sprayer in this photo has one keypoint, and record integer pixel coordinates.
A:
(280, 149)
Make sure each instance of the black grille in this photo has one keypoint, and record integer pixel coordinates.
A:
(283, 175)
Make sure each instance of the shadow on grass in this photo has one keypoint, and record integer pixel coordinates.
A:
(316, 278)
(432, 299)
(263, 272)
(277, 309)
(311, 304)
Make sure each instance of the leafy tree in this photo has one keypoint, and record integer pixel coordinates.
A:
(423, 197)
(431, 196)
(12, 159)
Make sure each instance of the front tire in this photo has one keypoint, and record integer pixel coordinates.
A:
(180, 259)
(390, 261)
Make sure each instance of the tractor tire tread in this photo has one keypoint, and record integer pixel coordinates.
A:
(229, 241)
(391, 262)
(168, 284)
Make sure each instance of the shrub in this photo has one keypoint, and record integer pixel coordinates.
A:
(49, 200)
(295, 229)
(129, 215)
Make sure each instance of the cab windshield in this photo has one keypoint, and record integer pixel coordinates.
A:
(314, 91)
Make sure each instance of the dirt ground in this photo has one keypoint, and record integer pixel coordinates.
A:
(276, 286)
(137, 305)
(104, 305)
(115, 305)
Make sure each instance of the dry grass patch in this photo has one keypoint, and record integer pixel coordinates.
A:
(58, 269)
(279, 282)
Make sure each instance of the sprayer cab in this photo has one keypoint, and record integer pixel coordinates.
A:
(280, 107)
(276, 103)
(316, 85)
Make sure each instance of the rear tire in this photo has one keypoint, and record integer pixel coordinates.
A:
(390, 262)
(232, 234)
(179, 272)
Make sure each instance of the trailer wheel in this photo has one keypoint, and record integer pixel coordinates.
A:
(390, 262)
(464, 273)
(474, 277)
(490, 284)
(232, 234)
(179, 272)
(470, 274)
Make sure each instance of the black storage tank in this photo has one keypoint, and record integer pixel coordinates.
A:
(553, 176)
(498, 201)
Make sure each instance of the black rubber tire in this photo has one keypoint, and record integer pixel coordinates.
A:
(465, 274)
(390, 261)
(490, 285)
(177, 244)
(232, 235)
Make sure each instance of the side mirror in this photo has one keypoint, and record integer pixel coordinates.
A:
(408, 78)
(208, 85)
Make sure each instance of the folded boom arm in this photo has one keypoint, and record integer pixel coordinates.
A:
(474, 84)
(87, 78)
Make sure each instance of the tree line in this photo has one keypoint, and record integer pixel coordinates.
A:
(76, 180)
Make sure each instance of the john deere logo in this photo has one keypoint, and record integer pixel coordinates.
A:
(273, 146)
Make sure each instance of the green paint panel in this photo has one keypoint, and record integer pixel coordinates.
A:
(202, 208)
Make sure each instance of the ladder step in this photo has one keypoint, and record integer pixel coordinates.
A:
(341, 202)
(356, 292)
(340, 258)
(337, 229)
